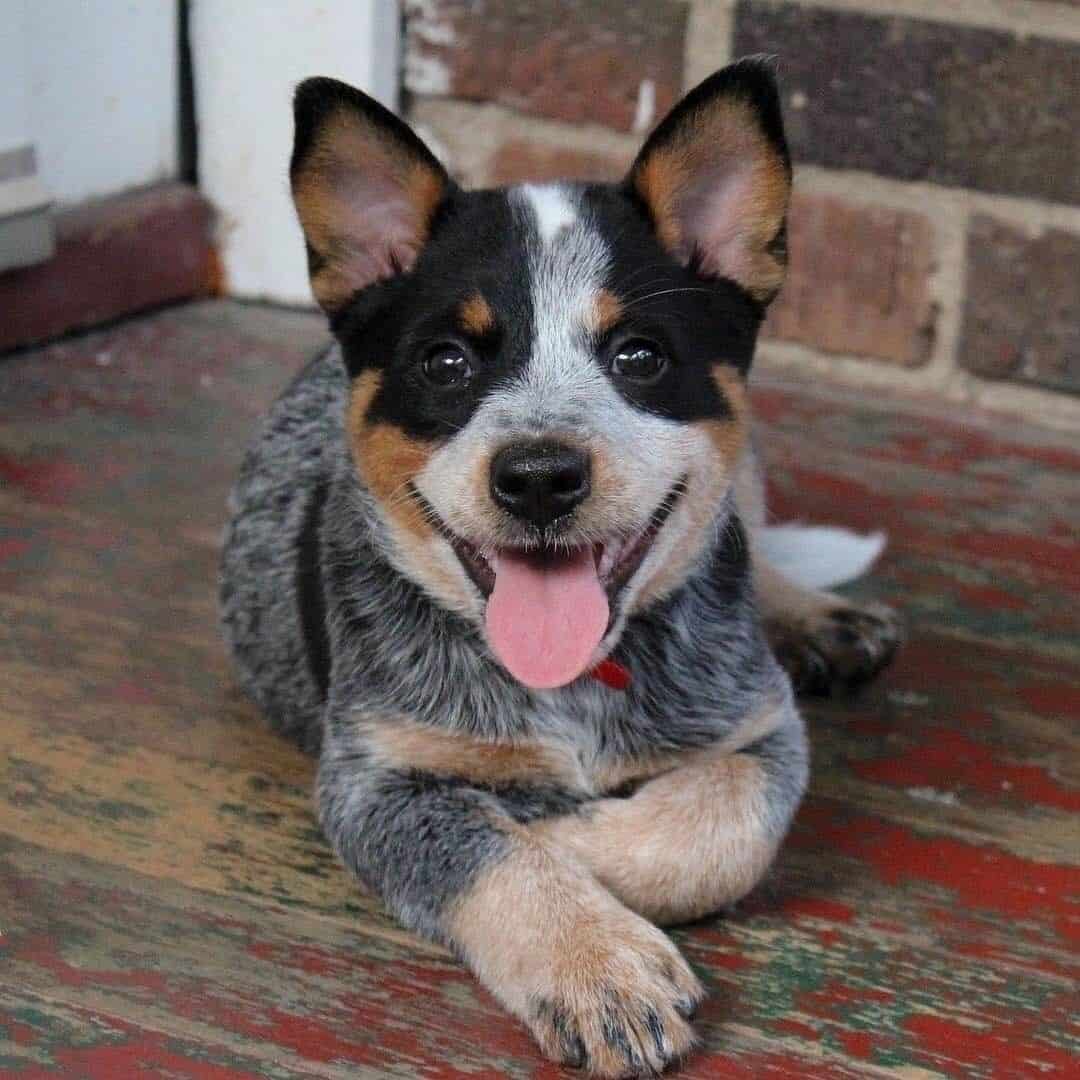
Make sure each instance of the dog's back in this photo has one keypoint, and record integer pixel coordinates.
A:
(271, 602)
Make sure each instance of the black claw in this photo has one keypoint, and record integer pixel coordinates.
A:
(574, 1056)
(686, 1007)
(573, 1049)
(616, 1037)
(655, 1027)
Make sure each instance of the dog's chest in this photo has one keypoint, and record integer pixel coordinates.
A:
(592, 752)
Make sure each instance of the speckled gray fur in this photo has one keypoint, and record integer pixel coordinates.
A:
(699, 660)
(610, 324)
(298, 448)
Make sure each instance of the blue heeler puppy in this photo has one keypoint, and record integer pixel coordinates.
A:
(498, 556)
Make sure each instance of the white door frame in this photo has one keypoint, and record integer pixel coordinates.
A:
(248, 56)
(25, 227)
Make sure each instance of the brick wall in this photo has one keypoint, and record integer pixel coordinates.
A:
(935, 232)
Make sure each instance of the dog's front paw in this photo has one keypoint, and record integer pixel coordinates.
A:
(845, 644)
(619, 1002)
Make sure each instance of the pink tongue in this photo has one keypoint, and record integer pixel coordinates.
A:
(545, 619)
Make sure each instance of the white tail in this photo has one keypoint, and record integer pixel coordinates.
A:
(819, 556)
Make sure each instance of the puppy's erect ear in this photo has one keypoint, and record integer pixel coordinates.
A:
(365, 188)
(716, 175)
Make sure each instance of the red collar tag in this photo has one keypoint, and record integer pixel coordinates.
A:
(611, 673)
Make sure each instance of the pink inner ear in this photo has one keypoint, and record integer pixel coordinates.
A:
(381, 229)
(381, 242)
(721, 218)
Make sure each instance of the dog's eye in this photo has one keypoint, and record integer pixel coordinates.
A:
(638, 360)
(447, 365)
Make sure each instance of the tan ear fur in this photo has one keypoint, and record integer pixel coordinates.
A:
(716, 180)
(364, 192)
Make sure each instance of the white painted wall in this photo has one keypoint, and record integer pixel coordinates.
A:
(26, 234)
(100, 80)
(14, 121)
(248, 56)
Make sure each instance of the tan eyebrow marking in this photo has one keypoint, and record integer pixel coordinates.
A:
(607, 310)
(476, 316)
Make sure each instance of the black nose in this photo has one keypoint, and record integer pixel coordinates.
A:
(540, 482)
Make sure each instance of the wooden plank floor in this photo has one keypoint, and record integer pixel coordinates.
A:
(168, 908)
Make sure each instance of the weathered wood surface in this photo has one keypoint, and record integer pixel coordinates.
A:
(168, 907)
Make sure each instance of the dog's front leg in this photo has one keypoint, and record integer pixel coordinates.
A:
(598, 985)
(695, 839)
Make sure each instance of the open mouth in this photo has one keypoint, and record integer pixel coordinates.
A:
(616, 560)
(548, 608)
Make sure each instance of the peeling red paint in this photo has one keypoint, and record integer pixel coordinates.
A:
(990, 598)
(146, 1055)
(109, 1048)
(130, 693)
(309, 960)
(859, 1044)
(993, 1045)
(981, 877)
(981, 950)
(48, 481)
(836, 996)
(12, 548)
(762, 1066)
(1059, 699)
(730, 961)
(817, 907)
(829, 938)
(43, 952)
(951, 761)
(786, 1025)
(1047, 555)
(19, 1034)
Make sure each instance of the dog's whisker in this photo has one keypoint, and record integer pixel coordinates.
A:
(666, 292)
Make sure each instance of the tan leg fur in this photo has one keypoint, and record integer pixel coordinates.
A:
(595, 983)
(686, 843)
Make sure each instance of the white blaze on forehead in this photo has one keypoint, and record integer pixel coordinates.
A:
(551, 207)
(568, 263)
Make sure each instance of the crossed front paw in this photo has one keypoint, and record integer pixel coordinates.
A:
(619, 1001)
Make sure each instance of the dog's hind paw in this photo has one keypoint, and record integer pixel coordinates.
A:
(842, 644)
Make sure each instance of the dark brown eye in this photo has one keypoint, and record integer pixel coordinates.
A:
(638, 360)
(447, 365)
